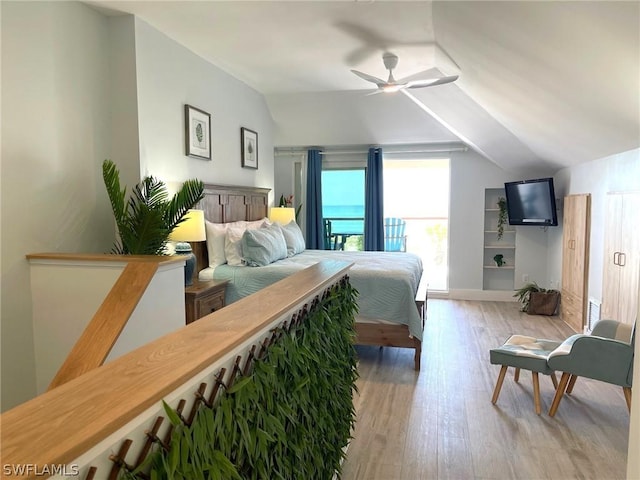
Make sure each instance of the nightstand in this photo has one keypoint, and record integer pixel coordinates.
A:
(202, 298)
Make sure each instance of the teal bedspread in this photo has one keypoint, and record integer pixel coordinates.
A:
(386, 281)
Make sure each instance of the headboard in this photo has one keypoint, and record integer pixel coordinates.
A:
(229, 203)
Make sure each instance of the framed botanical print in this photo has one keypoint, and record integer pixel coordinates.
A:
(197, 124)
(249, 146)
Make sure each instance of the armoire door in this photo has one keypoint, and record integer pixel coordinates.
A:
(621, 262)
(575, 259)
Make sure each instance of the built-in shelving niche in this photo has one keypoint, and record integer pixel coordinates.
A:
(494, 277)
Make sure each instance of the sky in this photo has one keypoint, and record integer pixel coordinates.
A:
(342, 187)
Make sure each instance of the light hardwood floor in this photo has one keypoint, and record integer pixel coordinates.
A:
(440, 423)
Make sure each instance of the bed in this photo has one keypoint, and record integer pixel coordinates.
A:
(392, 287)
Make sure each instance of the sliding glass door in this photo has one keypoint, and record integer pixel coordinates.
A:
(418, 192)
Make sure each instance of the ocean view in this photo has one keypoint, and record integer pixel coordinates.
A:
(345, 211)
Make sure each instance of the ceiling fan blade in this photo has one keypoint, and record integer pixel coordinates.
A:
(370, 78)
(431, 82)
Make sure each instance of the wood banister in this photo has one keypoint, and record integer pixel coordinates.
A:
(97, 340)
(63, 423)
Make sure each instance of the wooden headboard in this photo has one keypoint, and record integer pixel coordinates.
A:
(229, 203)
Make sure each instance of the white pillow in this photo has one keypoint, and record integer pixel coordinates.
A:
(232, 247)
(215, 242)
(294, 238)
(263, 222)
(262, 246)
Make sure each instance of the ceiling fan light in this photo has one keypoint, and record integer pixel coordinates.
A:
(391, 88)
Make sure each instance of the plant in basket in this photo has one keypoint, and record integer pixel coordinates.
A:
(537, 300)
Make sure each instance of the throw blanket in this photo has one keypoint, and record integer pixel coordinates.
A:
(386, 281)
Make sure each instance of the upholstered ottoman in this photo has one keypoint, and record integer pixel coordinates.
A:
(528, 353)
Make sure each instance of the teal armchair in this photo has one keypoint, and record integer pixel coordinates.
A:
(605, 355)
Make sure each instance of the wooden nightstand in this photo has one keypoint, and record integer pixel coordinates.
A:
(202, 298)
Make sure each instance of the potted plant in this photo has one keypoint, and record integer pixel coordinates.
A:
(499, 259)
(148, 216)
(537, 300)
(288, 202)
(502, 216)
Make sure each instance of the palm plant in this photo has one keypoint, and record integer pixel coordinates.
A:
(147, 218)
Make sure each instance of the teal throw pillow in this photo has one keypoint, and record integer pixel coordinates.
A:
(263, 246)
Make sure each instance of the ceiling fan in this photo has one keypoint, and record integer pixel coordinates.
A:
(392, 85)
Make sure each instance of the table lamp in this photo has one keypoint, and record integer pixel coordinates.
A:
(191, 229)
(282, 215)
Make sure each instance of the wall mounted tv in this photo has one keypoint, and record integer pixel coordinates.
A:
(531, 202)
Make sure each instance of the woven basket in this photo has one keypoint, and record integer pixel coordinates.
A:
(543, 303)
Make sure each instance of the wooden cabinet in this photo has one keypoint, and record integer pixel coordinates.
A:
(621, 261)
(576, 227)
(203, 298)
(497, 277)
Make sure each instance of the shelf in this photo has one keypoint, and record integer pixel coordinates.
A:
(494, 277)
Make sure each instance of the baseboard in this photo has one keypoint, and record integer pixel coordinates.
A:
(482, 295)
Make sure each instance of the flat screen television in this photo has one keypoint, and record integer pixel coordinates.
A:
(531, 202)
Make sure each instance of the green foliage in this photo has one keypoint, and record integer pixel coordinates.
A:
(502, 216)
(147, 218)
(289, 418)
(524, 292)
(354, 243)
(437, 233)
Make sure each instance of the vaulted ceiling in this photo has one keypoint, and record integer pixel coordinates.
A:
(548, 83)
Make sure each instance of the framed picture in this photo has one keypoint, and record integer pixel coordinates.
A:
(249, 141)
(197, 125)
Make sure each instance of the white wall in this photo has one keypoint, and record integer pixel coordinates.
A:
(471, 174)
(170, 76)
(125, 145)
(79, 87)
(55, 134)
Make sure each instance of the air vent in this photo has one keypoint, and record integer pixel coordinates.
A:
(593, 313)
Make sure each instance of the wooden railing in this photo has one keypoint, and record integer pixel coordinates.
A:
(66, 422)
(102, 332)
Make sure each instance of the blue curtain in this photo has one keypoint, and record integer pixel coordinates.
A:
(373, 208)
(315, 225)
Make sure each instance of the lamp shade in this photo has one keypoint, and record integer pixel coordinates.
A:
(191, 229)
(282, 215)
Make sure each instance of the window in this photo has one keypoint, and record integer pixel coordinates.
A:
(343, 206)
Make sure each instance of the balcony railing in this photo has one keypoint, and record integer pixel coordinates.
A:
(340, 229)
